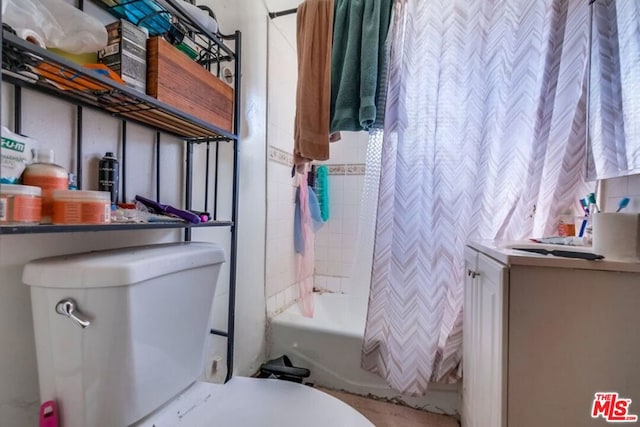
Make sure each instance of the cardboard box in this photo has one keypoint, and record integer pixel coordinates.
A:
(126, 53)
(176, 80)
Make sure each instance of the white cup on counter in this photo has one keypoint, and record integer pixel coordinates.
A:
(616, 236)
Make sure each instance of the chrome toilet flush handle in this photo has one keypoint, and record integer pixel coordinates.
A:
(68, 307)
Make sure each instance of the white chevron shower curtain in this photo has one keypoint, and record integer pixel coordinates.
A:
(484, 138)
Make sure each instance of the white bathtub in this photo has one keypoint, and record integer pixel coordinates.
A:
(329, 344)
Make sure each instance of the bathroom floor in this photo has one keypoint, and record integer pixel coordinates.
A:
(385, 414)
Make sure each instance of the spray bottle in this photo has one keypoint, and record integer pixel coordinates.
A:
(108, 176)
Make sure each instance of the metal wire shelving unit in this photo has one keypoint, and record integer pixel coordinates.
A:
(25, 65)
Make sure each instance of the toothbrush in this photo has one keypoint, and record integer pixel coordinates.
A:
(623, 203)
(585, 206)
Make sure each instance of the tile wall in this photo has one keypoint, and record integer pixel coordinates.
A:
(280, 273)
(280, 289)
(335, 246)
(614, 189)
(336, 241)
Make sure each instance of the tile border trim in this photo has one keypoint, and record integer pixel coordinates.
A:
(282, 157)
(277, 155)
(347, 169)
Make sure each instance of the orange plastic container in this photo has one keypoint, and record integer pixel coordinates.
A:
(81, 207)
(48, 176)
(20, 204)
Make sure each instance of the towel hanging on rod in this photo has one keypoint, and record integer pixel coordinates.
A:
(358, 61)
(314, 36)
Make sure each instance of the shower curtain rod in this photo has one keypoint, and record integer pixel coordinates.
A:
(282, 13)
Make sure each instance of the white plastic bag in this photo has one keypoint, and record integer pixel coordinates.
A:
(58, 24)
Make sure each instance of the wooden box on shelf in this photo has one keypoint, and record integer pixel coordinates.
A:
(177, 80)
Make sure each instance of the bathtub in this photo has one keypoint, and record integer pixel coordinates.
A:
(329, 344)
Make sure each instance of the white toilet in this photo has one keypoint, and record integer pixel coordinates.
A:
(120, 340)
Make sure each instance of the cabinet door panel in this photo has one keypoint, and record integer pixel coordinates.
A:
(468, 337)
(491, 345)
(483, 360)
(572, 333)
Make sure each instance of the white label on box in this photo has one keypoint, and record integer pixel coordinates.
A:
(110, 50)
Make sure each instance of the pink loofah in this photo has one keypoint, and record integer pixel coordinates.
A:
(305, 261)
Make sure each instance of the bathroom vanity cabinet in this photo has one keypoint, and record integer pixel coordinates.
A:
(543, 335)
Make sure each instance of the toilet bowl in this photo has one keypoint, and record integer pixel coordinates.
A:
(120, 341)
(245, 402)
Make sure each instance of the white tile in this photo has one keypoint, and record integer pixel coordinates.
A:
(335, 227)
(333, 255)
(634, 185)
(334, 240)
(347, 269)
(322, 253)
(285, 228)
(280, 302)
(334, 284)
(320, 282)
(615, 187)
(351, 212)
(634, 204)
(271, 305)
(350, 241)
(287, 295)
(347, 286)
(348, 256)
(322, 267)
(335, 214)
(296, 292)
(337, 150)
(323, 237)
(610, 204)
(350, 225)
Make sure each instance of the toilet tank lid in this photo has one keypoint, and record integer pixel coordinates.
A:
(120, 267)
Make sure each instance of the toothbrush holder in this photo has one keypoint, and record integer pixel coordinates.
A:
(617, 236)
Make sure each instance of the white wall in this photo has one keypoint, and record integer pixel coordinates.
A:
(281, 288)
(53, 123)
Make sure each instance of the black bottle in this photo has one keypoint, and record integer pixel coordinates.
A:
(108, 176)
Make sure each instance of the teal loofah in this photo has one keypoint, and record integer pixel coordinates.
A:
(322, 190)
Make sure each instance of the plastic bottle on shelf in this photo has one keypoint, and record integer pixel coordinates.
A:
(47, 175)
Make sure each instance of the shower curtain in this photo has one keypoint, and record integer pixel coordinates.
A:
(484, 138)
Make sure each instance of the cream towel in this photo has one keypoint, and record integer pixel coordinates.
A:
(315, 32)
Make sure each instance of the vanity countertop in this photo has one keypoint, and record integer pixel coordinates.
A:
(502, 251)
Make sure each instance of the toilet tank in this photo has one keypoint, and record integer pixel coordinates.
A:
(149, 308)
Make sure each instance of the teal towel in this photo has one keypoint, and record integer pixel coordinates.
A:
(383, 74)
(359, 33)
(322, 190)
